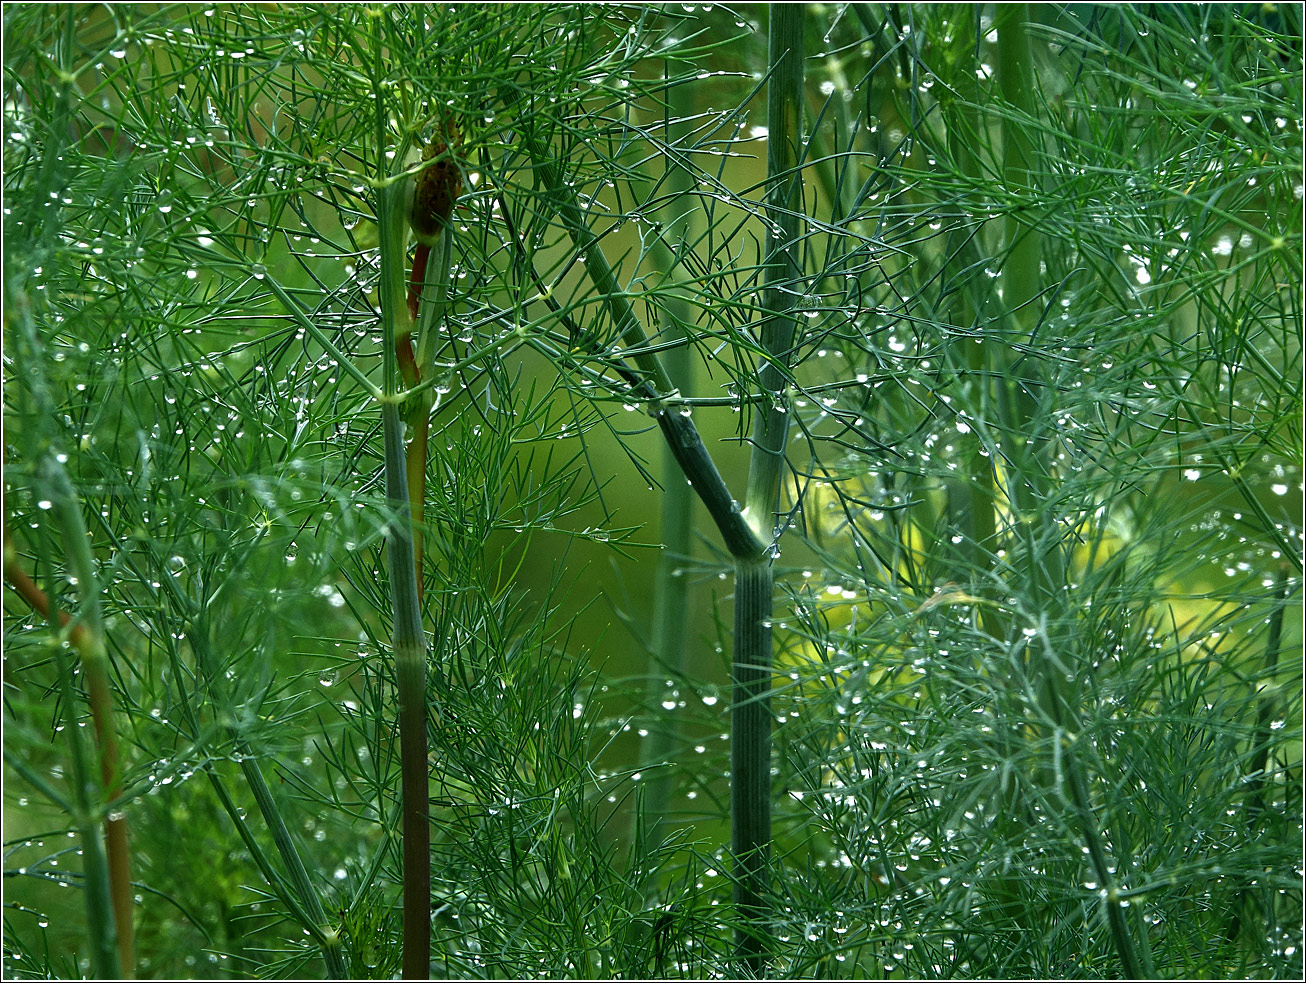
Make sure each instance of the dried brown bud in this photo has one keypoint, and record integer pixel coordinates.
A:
(435, 189)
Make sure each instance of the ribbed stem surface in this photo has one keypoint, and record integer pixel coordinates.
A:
(750, 756)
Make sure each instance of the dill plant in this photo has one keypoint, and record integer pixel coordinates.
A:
(976, 330)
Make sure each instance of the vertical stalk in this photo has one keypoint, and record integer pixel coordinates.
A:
(781, 263)
(95, 666)
(748, 533)
(1020, 280)
(409, 641)
(750, 759)
(750, 749)
(431, 299)
(108, 865)
(963, 128)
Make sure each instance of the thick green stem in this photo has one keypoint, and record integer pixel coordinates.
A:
(961, 119)
(409, 640)
(1021, 275)
(781, 263)
(748, 531)
(393, 195)
(410, 671)
(681, 435)
(750, 756)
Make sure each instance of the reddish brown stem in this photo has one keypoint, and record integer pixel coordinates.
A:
(415, 462)
(100, 698)
(408, 370)
(417, 279)
(416, 453)
(33, 595)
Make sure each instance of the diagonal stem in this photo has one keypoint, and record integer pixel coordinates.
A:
(748, 531)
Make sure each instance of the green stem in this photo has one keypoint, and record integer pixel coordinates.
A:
(1033, 488)
(781, 264)
(1262, 736)
(99, 695)
(1029, 479)
(750, 749)
(108, 864)
(677, 428)
(432, 298)
(750, 758)
(963, 128)
(314, 926)
(327, 939)
(631, 332)
(1136, 960)
(296, 312)
(409, 640)
(746, 538)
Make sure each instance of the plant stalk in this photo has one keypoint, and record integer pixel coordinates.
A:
(747, 532)
(750, 748)
(781, 264)
(99, 695)
(750, 759)
(678, 429)
(110, 904)
(426, 307)
(409, 640)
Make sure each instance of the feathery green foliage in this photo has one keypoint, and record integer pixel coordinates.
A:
(1014, 313)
